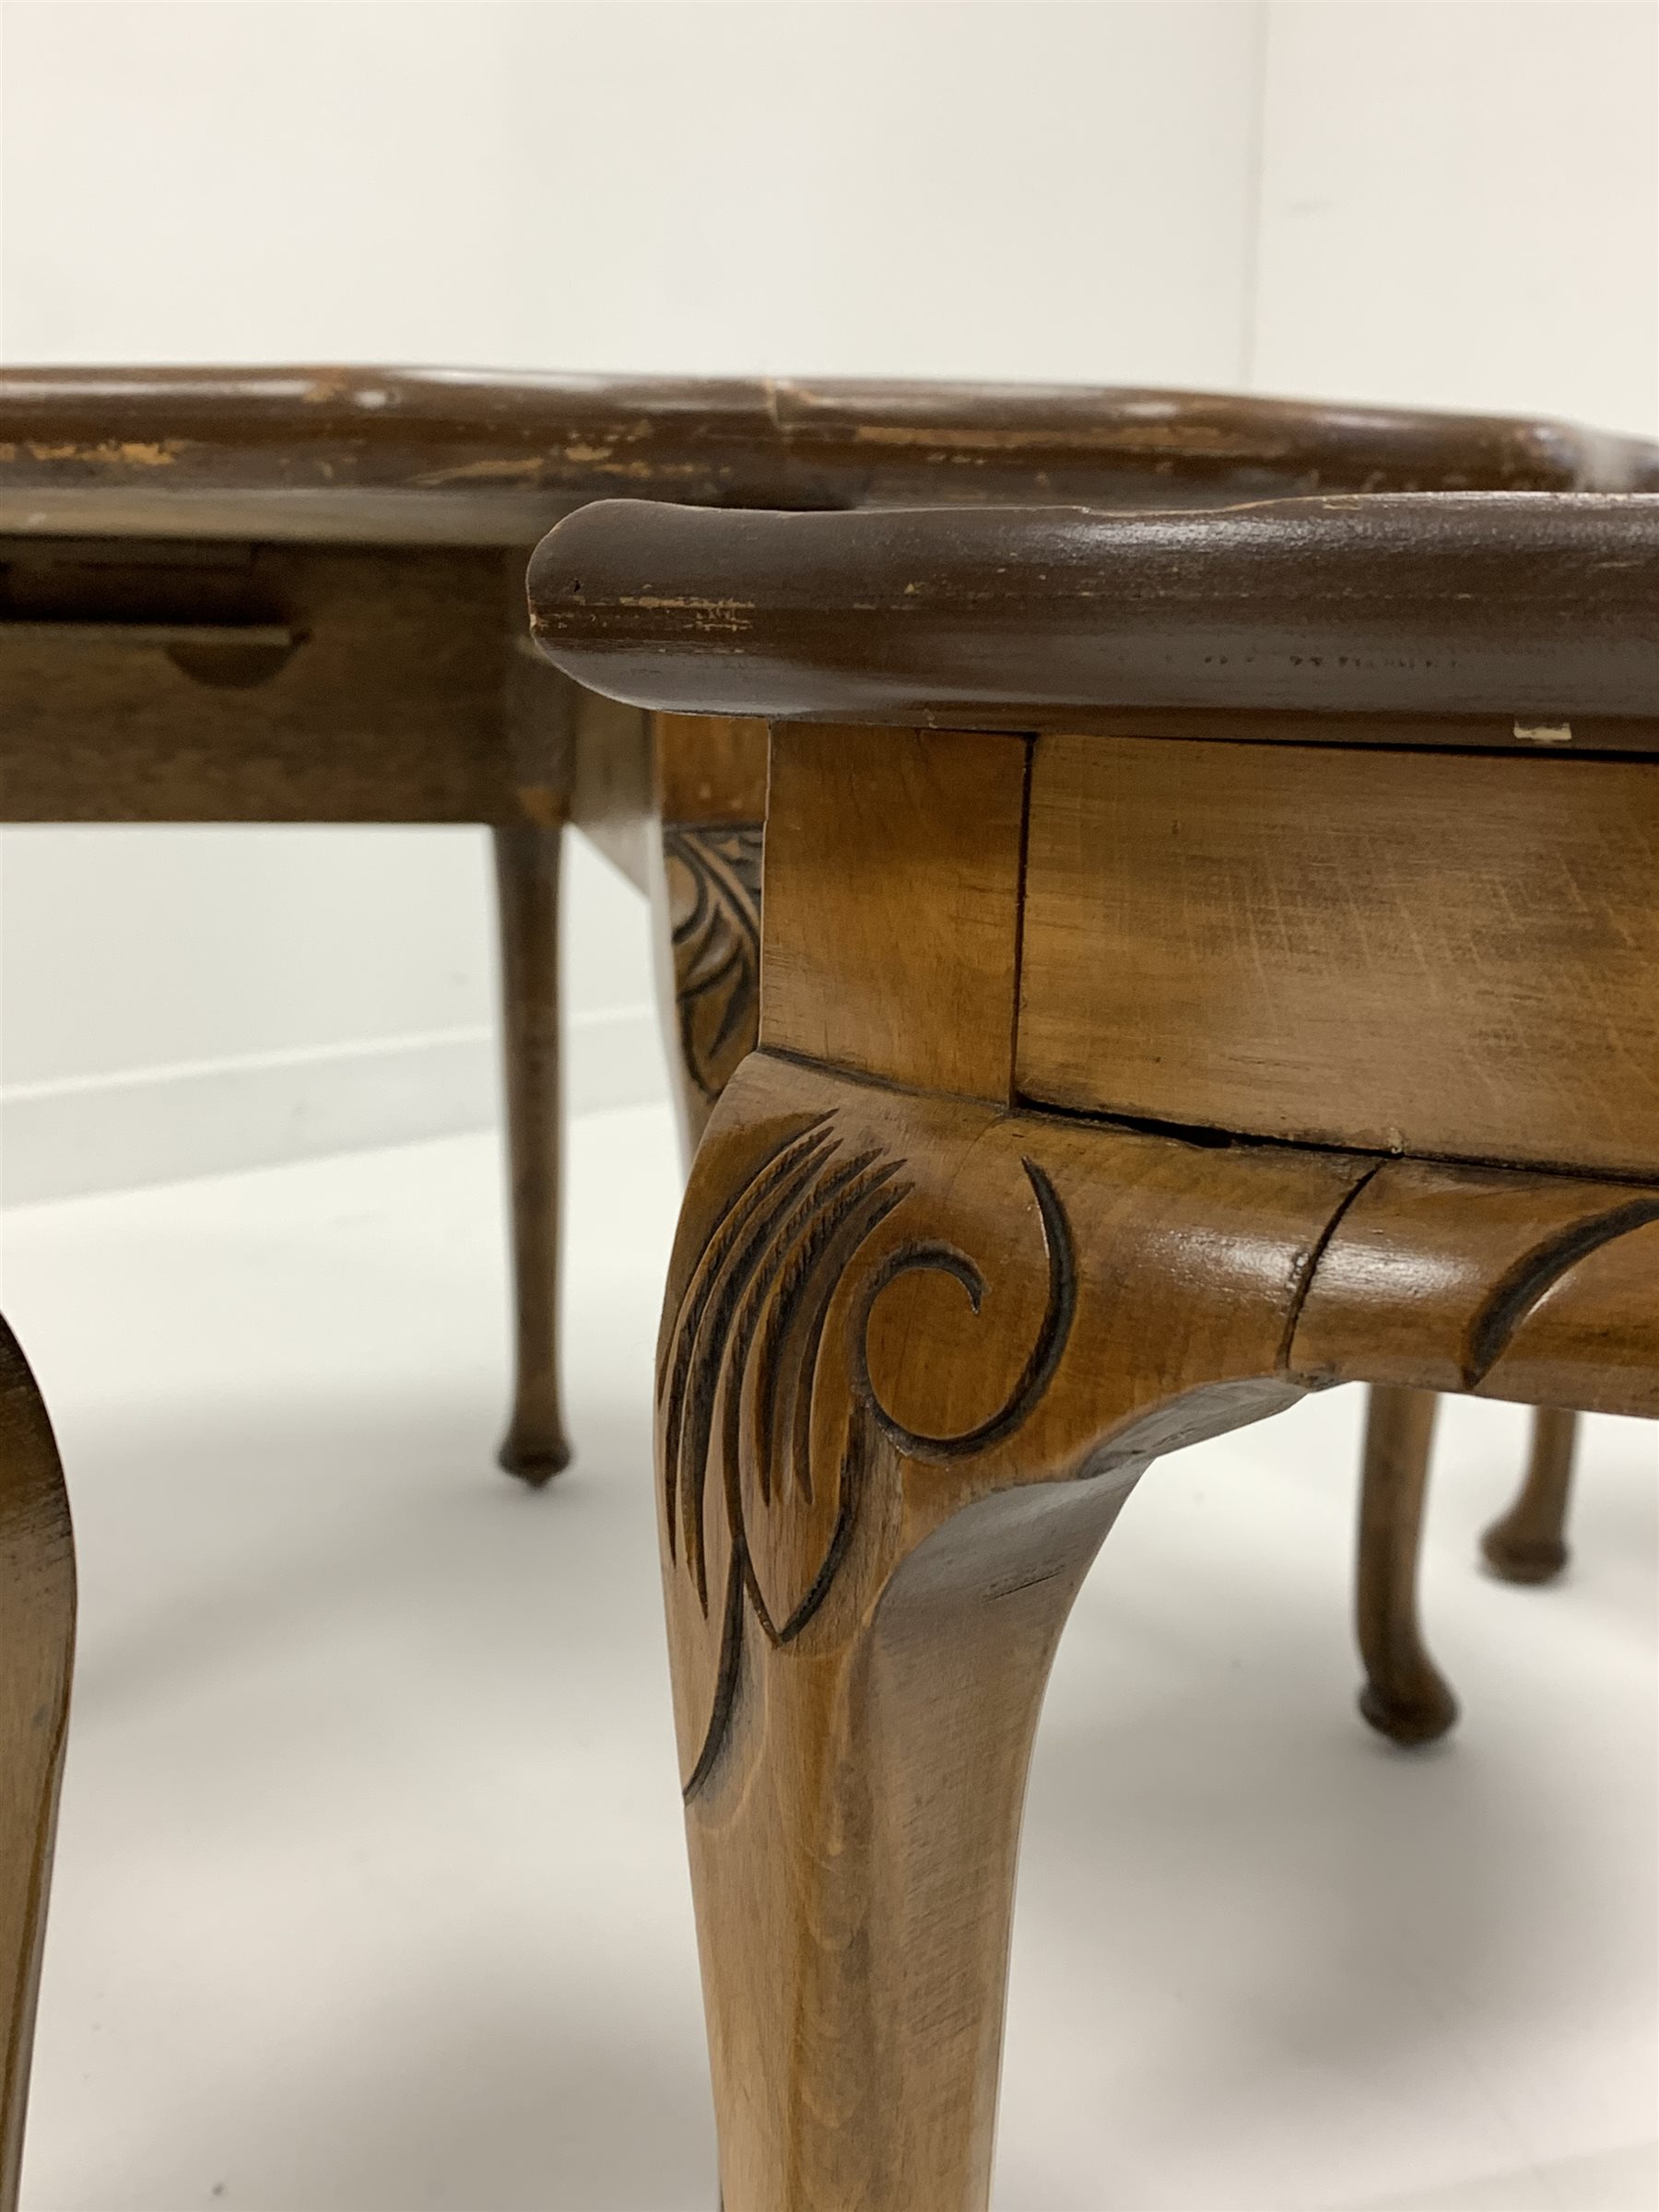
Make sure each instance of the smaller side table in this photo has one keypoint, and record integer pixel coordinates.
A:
(1205, 958)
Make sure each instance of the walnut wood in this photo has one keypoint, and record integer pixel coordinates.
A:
(526, 865)
(838, 1426)
(1405, 1696)
(903, 1327)
(387, 707)
(1495, 1281)
(710, 768)
(36, 1646)
(1348, 947)
(867, 828)
(167, 683)
(272, 595)
(251, 594)
(873, 1527)
(269, 594)
(456, 457)
(1523, 607)
(1529, 1543)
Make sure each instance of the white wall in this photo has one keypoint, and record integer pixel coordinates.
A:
(1460, 205)
(1453, 202)
(983, 190)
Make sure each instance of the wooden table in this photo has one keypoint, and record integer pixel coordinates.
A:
(296, 594)
(1205, 958)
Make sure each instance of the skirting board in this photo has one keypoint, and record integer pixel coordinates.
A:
(164, 1124)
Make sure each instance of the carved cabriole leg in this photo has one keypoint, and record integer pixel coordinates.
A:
(1529, 1543)
(1405, 1696)
(526, 860)
(914, 1353)
(37, 1643)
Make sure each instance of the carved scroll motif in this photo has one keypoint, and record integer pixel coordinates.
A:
(715, 903)
(759, 1510)
(1541, 1288)
(817, 1402)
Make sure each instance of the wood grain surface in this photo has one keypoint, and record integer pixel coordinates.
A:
(386, 698)
(710, 768)
(899, 1328)
(1543, 1288)
(916, 1347)
(1404, 952)
(460, 457)
(892, 919)
(914, 1351)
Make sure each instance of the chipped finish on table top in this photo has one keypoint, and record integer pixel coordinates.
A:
(1525, 617)
(442, 456)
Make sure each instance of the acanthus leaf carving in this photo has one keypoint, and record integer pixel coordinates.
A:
(811, 1383)
(714, 874)
(759, 1512)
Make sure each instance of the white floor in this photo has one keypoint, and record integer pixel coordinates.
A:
(369, 1890)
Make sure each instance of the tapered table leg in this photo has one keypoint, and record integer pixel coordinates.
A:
(1529, 1543)
(526, 858)
(1405, 1696)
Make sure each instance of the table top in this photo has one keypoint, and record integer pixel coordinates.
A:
(463, 457)
(1537, 608)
